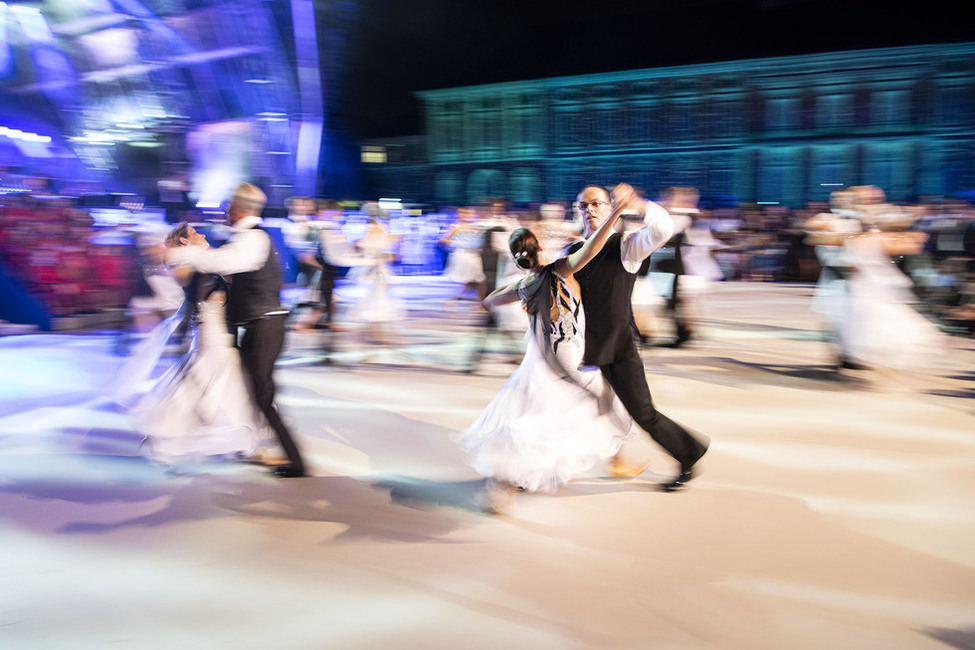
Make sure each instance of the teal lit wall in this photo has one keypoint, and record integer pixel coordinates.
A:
(783, 129)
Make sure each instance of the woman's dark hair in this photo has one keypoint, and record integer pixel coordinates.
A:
(524, 246)
(182, 231)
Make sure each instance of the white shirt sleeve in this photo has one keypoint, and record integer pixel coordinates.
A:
(682, 222)
(245, 251)
(637, 245)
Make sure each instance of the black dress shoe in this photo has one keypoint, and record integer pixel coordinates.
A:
(288, 471)
(851, 365)
(683, 335)
(679, 481)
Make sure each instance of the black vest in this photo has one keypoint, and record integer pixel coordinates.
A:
(255, 293)
(607, 289)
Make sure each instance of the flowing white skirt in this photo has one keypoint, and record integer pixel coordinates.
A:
(464, 266)
(202, 406)
(377, 304)
(540, 430)
(880, 327)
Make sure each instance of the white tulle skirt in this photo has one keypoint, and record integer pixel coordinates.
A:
(540, 430)
(202, 406)
(464, 266)
(377, 304)
(879, 326)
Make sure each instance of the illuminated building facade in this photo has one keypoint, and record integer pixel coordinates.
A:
(787, 130)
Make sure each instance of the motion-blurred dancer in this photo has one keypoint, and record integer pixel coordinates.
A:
(607, 285)
(827, 233)
(863, 294)
(464, 265)
(250, 260)
(693, 266)
(157, 294)
(300, 235)
(498, 270)
(377, 309)
(550, 420)
(202, 406)
(333, 258)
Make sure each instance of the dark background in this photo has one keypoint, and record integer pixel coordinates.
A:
(395, 47)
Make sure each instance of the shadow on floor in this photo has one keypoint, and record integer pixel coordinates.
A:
(727, 371)
(423, 494)
(961, 639)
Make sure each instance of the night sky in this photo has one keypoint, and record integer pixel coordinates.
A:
(395, 47)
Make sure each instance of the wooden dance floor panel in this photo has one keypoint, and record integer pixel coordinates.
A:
(833, 510)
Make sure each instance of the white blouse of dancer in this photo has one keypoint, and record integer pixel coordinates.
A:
(551, 420)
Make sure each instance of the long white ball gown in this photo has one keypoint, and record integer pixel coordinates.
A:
(881, 328)
(202, 406)
(551, 420)
(376, 305)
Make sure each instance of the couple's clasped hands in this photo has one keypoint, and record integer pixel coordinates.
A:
(624, 197)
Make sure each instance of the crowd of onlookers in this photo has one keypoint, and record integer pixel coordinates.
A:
(51, 248)
(60, 255)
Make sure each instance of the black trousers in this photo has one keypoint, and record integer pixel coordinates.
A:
(326, 284)
(673, 303)
(629, 381)
(259, 349)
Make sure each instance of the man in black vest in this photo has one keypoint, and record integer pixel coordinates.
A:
(607, 287)
(250, 262)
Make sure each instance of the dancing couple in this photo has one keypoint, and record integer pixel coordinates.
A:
(557, 415)
(205, 405)
(864, 297)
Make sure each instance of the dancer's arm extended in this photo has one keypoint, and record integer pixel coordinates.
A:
(449, 236)
(506, 294)
(246, 251)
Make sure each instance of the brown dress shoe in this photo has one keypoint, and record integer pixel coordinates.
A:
(621, 469)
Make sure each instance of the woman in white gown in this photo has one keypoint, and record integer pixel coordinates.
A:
(464, 265)
(201, 407)
(865, 298)
(376, 306)
(882, 329)
(551, 420)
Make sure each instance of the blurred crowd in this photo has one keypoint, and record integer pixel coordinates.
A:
(71, 263)
(51, 247)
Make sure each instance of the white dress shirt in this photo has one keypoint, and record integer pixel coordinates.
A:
(639, 244)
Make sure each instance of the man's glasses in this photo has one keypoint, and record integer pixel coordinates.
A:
(584, 205)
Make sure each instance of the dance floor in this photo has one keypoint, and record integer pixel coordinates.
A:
(833, 510)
